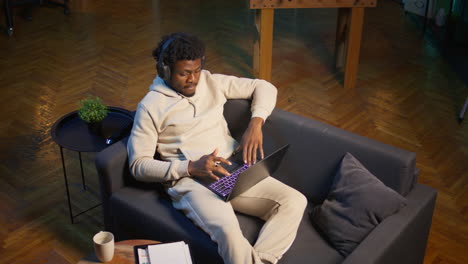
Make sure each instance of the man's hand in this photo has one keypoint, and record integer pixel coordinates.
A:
(206, 165)
(252, 141)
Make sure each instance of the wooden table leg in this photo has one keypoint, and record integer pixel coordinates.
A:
(263, 47)
(341, 37)
(356, 20)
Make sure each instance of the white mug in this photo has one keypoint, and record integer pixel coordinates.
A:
(104, 246)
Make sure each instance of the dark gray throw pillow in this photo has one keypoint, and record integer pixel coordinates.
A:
(356, 203)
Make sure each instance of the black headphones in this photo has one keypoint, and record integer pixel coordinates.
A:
(164, 71)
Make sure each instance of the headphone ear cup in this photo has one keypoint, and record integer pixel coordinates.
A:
(166, 72)
(160, 69)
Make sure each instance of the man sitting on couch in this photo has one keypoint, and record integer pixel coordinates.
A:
(182, 119)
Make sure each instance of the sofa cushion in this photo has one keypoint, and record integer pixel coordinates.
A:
(310, 247)
(356, 203)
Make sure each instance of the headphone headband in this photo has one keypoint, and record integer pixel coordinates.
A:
(164, 47)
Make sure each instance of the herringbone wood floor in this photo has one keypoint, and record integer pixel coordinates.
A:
(406, 96)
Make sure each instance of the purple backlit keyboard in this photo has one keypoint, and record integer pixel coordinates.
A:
(224, 185)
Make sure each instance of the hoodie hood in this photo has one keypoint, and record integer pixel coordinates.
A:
(160, 86)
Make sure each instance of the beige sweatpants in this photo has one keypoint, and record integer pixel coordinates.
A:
(280, 206)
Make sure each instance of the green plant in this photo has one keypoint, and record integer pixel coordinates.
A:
(92, 110)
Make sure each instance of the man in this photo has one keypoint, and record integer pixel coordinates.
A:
(182, 119)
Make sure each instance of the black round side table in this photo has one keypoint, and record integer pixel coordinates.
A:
(72, 133)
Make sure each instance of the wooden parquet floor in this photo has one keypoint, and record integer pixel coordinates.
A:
(406, 96)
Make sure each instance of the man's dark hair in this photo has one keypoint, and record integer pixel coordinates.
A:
(184, 46)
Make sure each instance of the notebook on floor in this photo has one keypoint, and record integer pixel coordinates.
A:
(244, 177)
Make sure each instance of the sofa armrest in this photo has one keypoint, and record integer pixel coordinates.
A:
(401, 238)
(237, 114)
(112, 166)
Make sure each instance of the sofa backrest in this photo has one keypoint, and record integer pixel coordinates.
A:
(316, 150)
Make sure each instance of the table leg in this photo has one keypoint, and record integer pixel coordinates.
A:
(8, 17)
(72, 217)
(66, 185)
(356, 20)
(82, 172)
(263, 47)
(341, 39)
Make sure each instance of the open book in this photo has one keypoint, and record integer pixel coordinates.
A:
(174, 253)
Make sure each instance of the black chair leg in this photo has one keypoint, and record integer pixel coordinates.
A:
(8, 17)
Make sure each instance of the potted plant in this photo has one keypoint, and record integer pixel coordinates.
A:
(92, 110)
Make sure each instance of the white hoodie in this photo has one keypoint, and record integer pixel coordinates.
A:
(183, 128)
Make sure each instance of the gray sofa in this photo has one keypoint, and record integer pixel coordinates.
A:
(135, 210)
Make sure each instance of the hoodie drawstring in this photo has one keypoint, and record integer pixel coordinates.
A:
(193, 105)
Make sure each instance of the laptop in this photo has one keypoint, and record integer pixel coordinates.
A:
(244, 177)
